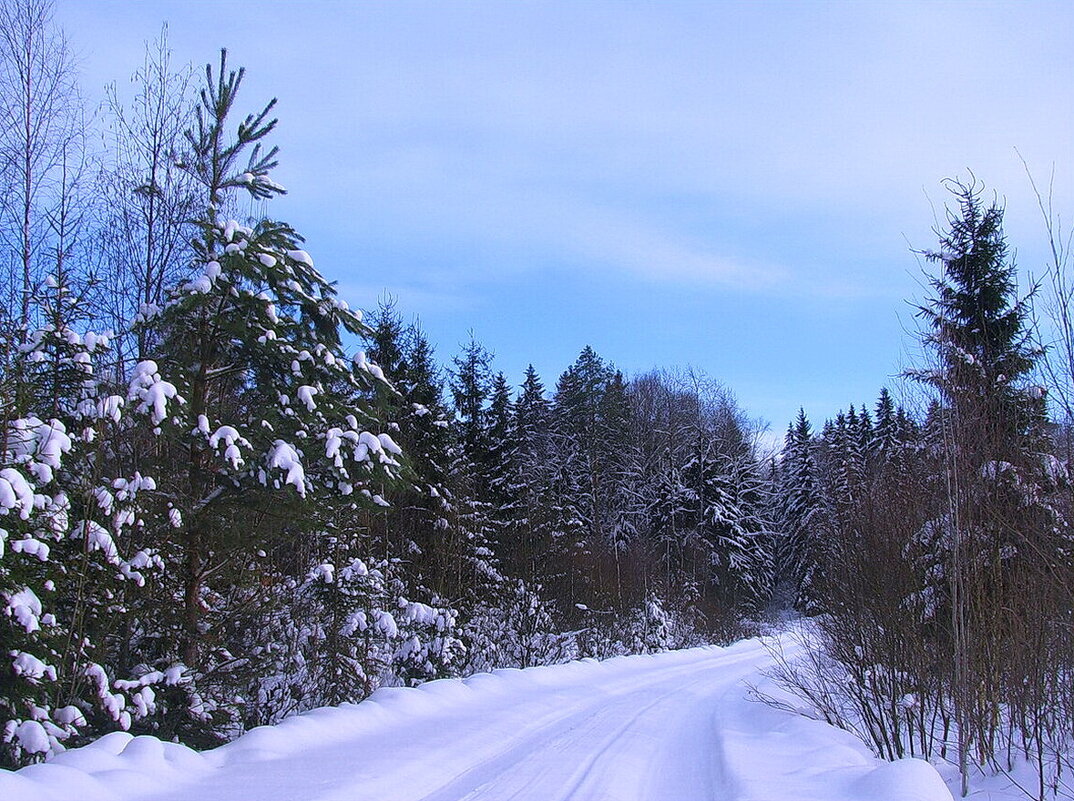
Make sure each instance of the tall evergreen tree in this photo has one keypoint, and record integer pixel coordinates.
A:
(471, 384)
(886, 433)
(998, 539)
(530, 462)
(500, 434)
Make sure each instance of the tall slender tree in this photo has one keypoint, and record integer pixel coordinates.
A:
(150, 203)
(976, 328)
(41, 144)
(802, 513)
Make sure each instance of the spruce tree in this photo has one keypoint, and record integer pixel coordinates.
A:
(886, 433)
(802, 513)
(976, 325)
(623, 495)
(530, 462)
(422, 523)
(471, 383)
(996, 534)
(500, 433)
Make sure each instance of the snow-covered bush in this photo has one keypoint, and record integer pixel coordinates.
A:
(516, 629)
(343, 631)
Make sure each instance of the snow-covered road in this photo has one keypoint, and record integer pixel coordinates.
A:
(678, 726)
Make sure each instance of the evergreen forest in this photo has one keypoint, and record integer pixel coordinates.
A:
(228, 494)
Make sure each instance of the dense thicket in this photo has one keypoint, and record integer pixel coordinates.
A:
(938, 546)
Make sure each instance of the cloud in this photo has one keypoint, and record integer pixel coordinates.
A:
(635, 245)
(413, 298)
(731, 145)
(639, 142)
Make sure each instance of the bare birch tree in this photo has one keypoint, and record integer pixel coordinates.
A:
(150, 200)
(41, 145)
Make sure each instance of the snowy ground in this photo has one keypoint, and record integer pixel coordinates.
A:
(678, 726)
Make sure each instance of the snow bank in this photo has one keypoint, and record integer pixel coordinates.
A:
(904, 780)
(117, 766)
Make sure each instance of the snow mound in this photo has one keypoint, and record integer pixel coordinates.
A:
(904, 780)
(117, 766)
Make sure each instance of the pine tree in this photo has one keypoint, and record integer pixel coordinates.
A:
(278, 432)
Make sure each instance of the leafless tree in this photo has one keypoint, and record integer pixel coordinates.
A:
(41, 147)
(150, 200)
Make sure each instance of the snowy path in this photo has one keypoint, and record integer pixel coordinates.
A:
(669, 727)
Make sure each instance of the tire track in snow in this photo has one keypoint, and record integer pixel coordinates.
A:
(607, 748)
(493, 736)
(496, 772)
(678, 760)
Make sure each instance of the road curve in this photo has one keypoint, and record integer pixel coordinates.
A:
(678, 726)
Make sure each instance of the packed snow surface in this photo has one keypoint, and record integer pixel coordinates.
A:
(678, 726)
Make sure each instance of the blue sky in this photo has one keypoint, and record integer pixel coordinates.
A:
(732, 186)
